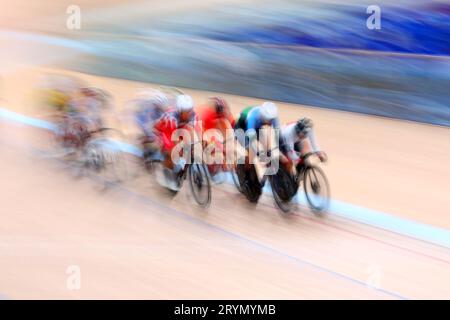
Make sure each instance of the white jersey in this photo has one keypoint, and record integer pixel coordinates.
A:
(291, 138)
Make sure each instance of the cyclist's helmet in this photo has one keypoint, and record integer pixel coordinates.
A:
(184, 103)
(88, 92)
(303, 125)
(220, 105)
(160, 100)
(269, 111)
(96, 93)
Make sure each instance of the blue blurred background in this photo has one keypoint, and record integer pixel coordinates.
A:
(317, 53)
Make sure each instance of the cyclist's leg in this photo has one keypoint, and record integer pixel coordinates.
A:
(298, 147)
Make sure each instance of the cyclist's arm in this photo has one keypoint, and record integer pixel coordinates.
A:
(289, 140)
(276, 123)
(253, 124)
(313, 141)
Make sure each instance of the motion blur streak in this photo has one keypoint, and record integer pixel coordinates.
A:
(64, 233)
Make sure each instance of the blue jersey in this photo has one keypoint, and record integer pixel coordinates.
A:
(147, 115)
(255, 122)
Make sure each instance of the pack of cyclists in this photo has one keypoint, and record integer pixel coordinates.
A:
(76, 108)
(170, 125)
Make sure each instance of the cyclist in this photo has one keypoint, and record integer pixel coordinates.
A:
(293, 138)
(90, 104)
(181, 117)
(252, 119)
(83, 115)
(151, 105)
(57, 91)
(216, 115)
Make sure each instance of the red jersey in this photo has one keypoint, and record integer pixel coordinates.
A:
(210, 118)
(168, 123)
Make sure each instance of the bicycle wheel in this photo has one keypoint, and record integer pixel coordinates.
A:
(200, 184)
(283, 190)
(251, 186)
(317, 189)
(103, 158)
(235, 178)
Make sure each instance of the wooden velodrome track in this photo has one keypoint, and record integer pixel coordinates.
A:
(133, 241)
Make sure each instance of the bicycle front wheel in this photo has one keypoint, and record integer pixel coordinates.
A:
(104, 161)
(200, 184)
(317, 189)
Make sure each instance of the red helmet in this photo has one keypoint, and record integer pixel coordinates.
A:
(88, 91)
(96, 93)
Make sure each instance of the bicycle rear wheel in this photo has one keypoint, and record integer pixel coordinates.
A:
(317, 189)
(104, 161)
(235, 178)
(283, 190)
(200, 184)
(251, 187)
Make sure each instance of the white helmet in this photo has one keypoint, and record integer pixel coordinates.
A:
(269, 111)
(184, 103)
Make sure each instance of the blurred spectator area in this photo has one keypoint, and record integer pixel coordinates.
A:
(318, 53)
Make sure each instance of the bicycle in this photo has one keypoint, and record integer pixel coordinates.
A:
(285, 185)
(197, 174)
(247, 180)
(102, 157)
